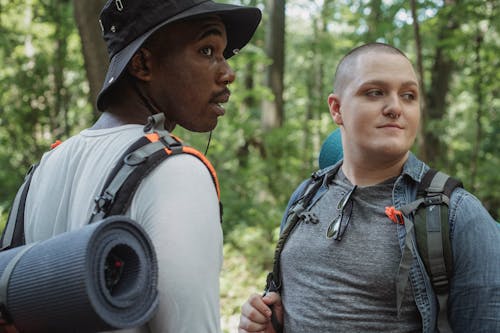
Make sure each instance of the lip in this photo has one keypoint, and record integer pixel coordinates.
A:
(218, 108)
(219, 99)
(392, 125)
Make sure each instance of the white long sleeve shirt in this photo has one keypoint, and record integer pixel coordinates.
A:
(176, 204)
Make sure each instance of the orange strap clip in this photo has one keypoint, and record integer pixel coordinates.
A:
(55, 144)
(395, 215)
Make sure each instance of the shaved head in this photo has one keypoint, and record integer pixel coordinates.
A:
(347, 65)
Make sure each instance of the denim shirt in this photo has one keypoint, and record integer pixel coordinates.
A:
(474, 298)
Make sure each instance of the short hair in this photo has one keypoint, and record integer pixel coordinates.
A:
(343, 68)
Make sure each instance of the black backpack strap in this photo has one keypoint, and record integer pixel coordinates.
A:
(136, 163)
(13, 233)
(298, 211)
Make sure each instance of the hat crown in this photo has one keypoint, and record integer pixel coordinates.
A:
(122, 21)
(127, 24)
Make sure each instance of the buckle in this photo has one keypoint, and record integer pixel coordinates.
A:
(172, 143)
(103, 202)
(308, 217)
(433, 199)
(440, 283)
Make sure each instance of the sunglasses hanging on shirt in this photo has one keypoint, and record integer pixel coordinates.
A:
(338, 226)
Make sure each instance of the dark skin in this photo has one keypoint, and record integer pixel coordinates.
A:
(180, 71)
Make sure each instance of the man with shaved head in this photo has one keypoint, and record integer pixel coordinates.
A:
(342, 262)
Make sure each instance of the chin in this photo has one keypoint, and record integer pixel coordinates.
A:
(392, 151)
(201, 127)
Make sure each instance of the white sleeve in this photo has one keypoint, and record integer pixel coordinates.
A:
(177, 205)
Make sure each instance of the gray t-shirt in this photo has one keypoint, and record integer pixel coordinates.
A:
(347, 285)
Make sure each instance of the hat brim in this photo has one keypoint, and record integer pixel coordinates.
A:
(241, 23)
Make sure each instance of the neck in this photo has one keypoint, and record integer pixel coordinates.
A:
(367, 173)
(109, 119)
(124, 111)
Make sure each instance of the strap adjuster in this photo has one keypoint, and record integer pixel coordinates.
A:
(103, 202)
(440, 283)
(433, 199)
(172, 143)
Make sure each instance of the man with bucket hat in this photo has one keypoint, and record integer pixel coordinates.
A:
(167, 63)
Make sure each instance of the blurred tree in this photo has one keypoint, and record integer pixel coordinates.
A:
(272, 110)
(441, 74)
(51, 73)
(93, 46)
(42, 84)
(419, 68)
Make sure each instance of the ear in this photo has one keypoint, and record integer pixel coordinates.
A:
(334, 106)
(141, 64)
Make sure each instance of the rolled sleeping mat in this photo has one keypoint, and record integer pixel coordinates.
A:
(101, 277)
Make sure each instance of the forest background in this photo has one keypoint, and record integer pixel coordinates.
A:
(53, 61)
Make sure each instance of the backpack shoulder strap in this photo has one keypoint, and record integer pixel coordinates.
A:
(136, 163)
(302, 199)
(432, 229)
(298, 210)
(13, 233)
(432, 225)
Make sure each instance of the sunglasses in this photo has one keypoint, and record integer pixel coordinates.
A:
(338, 226)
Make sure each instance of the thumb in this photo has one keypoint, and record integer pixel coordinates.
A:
(273, 300)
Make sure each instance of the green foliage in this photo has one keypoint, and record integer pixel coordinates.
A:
(43, 85)
(44, 98)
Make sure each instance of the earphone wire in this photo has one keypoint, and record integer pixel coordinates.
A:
(208, 143)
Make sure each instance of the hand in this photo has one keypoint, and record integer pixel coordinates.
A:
(256, 313)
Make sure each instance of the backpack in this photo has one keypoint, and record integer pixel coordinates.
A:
(135, 164)
(427, 216)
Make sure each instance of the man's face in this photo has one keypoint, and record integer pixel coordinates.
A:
(378, 108)
(190, 75)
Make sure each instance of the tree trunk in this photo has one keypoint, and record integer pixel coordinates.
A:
(479, 114)
(272, 111)
(442, 71)
(316, 97)
(373, 20)
(249, 74)
(420, 71)
(94, 49)
(59, 113)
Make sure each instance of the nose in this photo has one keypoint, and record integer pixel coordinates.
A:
(226, 74)
(393, 107)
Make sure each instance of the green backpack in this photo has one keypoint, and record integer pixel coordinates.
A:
(427, 216)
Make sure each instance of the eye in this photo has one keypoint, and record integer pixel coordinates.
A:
(410, 96)
(374, 93)
(208, 51)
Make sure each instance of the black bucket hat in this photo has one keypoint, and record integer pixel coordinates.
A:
(126, 24)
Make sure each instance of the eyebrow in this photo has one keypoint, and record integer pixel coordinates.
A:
(209, 29)
(382, 83)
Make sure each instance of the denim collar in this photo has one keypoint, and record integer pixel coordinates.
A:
(414, 168)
